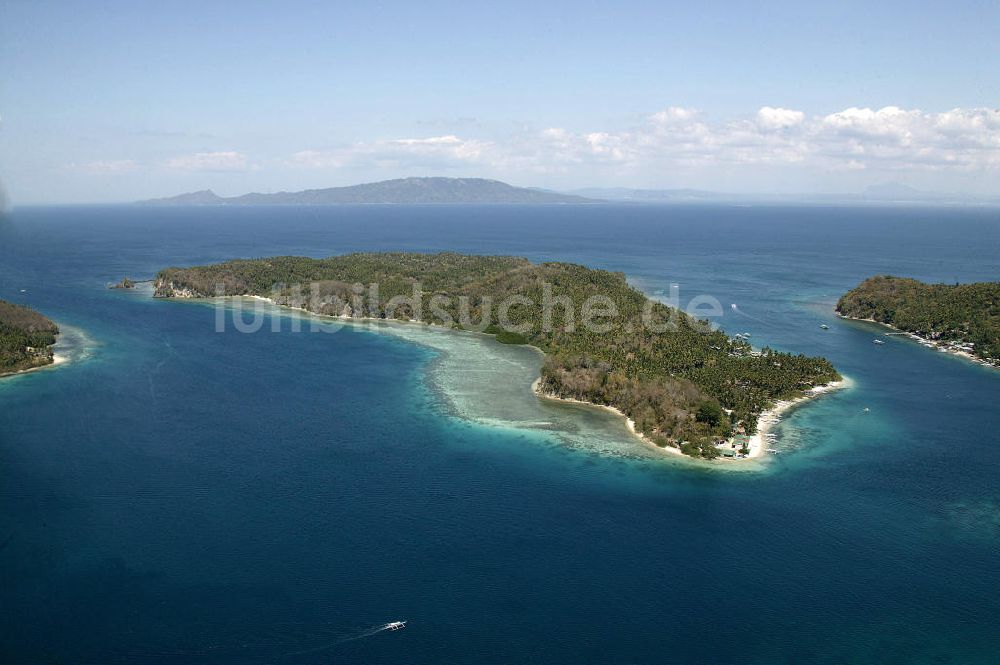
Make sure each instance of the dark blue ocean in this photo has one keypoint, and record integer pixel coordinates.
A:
(177, 495)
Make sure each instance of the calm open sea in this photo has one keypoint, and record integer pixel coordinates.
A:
(175, 495)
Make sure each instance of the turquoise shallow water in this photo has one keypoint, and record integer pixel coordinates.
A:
(180, 496)
(478, 381)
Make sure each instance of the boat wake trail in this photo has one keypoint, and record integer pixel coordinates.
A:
(367, 632)
(274, 643)
(739, 311)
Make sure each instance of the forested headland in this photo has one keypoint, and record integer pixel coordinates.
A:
(959, 317)
(683, 383)
(26, 338)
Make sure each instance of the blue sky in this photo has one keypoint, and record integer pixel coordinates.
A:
(106, 101)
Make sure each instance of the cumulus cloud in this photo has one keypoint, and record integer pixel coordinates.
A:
(856, 138)
(895, 138)
(960, 144)
(673, 140)
(778, 118)
(674, 114)
(210, 161)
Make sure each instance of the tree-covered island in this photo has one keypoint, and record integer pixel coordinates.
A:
(26, 338)
(961, 318)
(681, 382)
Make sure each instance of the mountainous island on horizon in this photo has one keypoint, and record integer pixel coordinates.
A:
(401, 191)
(444, 190)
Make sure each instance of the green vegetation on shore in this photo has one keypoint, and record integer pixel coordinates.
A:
(682, 383)
(966, 317)
(26, 338)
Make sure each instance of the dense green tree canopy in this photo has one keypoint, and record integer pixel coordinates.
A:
(25, 338)
(967, 313)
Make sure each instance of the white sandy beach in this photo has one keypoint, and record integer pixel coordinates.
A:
(772, 416)
(72, 345)
(536, 388)
(57, 359)
(757, 443)
(929, 343)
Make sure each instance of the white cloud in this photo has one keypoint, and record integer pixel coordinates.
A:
(449, 140)
(890, 138)
(433, 151)
(672, 142)
(778, 118)
(674, 114)
(895, 138)
(555, 133)
(315, 159)
(210, 161)
(445, 148)
(106, 166)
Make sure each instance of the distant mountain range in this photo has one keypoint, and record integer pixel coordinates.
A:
(402, 191)
(481, 190)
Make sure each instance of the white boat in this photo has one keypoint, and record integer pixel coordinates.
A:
(824, 326)
(395, 625)
(878, 341)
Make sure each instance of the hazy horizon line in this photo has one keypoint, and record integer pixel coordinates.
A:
(869, 195)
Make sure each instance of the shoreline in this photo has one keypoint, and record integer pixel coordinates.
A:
(57, 359)
(766, 420)
(347, 320)
(923, 341)
(772, 416)
(535, 386)
(629, 423)
(72, 346)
